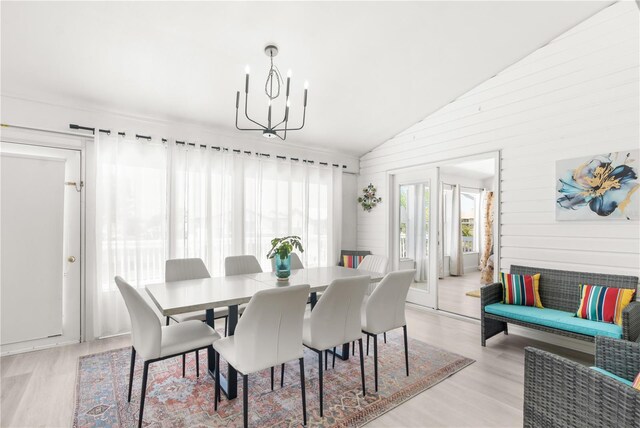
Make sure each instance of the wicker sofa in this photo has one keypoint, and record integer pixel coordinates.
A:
(562, 393)
(560, 296)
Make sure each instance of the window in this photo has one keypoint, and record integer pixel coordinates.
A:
(469, 219)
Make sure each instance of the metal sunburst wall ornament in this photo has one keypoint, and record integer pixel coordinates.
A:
(369, 200)
(272, 89)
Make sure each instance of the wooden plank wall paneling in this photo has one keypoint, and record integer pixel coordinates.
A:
(578, 95)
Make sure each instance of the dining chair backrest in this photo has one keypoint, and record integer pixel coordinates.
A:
(335, 319)
(185, 269)
(385, 307)
(241, 265)
(296, 263)
(374, 263)
(146, 331)
(270, 329)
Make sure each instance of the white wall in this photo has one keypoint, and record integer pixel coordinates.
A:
(578, 95)
(349, 211)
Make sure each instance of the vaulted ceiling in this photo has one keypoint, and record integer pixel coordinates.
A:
(374, 68)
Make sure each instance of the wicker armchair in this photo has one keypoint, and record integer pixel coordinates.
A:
(562, 393)
(559, 290)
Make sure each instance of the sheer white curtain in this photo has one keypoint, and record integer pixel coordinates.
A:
(421, 251)
(131, 224)
(206, 189)
(226, 204)
(456, 265)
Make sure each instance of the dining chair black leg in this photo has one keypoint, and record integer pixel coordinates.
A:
(216, 398)
(144, 391)
(406, 349)
(245, 400)
(326, 359)
(197, 363)
(333, 363)
(353, 348)
(282, 376)
(302, 390)
(226, 322)
(385, 337)
(272, 378)
(364, 391)
(375, 359)
(133, 366)
(167, 321)
(184, 364)
(367, 345)
(320, 380)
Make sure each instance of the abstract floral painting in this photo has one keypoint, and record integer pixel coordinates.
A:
(598, 187)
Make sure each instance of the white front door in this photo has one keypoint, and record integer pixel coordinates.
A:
(40, 249)
(414, 230)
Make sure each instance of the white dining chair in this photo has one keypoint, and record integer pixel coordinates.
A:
(384, 311)
(296, 263)
(184, 270)
(374, 263)
(153, 342)
(241, 265)
(377, 264)
(268, 334)
(335, 320)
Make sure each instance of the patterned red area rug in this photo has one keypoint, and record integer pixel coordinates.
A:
(174, 401)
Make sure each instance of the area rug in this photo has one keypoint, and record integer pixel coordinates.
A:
(174, 401)
(473, 293)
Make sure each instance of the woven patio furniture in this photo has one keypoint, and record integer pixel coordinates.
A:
(559, 392)
(559, 289)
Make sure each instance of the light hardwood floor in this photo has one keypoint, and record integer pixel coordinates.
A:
(37, 388)
(452, 294)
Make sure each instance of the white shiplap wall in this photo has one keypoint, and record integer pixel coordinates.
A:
(578, 95)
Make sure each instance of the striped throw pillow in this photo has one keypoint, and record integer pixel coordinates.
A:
(636, 382)
(352, 261)
(604, 304)
(521, 289)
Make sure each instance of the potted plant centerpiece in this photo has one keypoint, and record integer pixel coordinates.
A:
(281, 249)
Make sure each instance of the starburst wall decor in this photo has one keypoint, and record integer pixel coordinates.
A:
(369, 200)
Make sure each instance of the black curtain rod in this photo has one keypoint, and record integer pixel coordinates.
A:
(204, 146)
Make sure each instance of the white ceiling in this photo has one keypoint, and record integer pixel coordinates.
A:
(374, 68)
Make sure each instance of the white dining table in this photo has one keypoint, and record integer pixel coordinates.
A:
(209, 294)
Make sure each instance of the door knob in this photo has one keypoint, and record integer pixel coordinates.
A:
(71, 259)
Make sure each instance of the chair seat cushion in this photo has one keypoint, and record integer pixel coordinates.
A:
(555, 319)
(612, 376)
(186, 336)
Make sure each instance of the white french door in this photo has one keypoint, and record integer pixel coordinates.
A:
(41, 246)
(414, 230)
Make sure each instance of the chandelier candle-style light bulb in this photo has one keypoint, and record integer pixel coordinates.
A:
(246, 82)
(272, 90)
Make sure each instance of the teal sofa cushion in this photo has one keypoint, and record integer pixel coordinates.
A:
(555, 319)
(612, 376)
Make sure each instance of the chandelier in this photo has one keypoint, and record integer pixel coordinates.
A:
(272, 89)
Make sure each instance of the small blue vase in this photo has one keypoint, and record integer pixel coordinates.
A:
(283, 267)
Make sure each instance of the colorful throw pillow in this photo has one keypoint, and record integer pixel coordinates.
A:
(636, 382)
(352, 261)
(604, 304)
(521, 289)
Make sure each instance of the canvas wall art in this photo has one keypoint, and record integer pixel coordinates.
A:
(598, 187)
